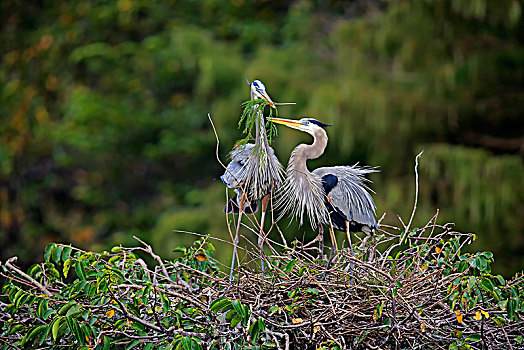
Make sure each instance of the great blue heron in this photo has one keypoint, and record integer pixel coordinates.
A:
(333, 196)
(254, 172)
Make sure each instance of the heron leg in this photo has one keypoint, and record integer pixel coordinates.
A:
(320, 239)
(235, 240)
(333, 248)
(350, 250)
(349, 239)
(262, 235)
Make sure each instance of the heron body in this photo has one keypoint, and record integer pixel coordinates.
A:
(254, 172)
(237, 175)
(337, 196)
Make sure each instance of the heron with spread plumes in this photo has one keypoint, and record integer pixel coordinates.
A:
(254, 172)
(337, 196)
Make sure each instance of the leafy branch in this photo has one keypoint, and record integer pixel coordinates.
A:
(251, 113)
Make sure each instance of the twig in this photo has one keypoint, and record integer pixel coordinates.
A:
(416, 191)
(149, 250)
(9, 263)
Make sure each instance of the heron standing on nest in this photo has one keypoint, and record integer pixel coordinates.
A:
(333, 196)
(254, 172)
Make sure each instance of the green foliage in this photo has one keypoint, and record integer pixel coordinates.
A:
(113, 299)
(89, 300)
(250, 116)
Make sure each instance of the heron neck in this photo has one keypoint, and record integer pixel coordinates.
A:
(260, 133)
(303, 152)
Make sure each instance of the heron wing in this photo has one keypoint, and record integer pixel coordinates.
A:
(348, 192)
(258, 174)
(235, 173)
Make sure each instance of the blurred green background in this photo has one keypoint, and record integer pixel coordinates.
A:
(103, 112)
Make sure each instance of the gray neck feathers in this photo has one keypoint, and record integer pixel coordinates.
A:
(262, 169)
(303, 152)
(303, 192)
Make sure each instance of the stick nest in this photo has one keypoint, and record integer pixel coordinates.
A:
(402, 289)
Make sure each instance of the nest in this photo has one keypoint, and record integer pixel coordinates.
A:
(402, 289)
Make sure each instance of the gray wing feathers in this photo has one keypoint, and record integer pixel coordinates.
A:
(259, 171)
(235, 172)
(351, 195)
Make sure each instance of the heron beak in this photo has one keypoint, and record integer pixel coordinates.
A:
(266, 97)
(287, 122)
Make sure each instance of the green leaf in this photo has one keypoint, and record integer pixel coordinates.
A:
(462, 266)
(499, 321)
(512, 307)
(473, 337)
(138, 326)
(17, 295)
(219, 304)
(54, 272)
(15, 328)
(55, 325)
(33, 334)
(519, 339)
(48, 313)
(57, 253)
(42, 307)
(74, 327)
(230, 314)
(254, 332)
(261, 324)
(186, 343)
(246, 313)
(488, 255)
(165, 303)
(33, 269)
(67, 266)
(312, 291)
(238, 307)
(194, 344)
(80, 270)
(378, 311)
(63, 310)
(85, 330)
(301, 270)
(273, 308)
(76, 309)
(48, 251)
(290, 265)
(486, 284)
(18, 298)
(133, 344)
(66, 253)
(235, 320)
(118, 273)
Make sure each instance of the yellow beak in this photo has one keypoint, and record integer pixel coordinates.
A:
(266, 97)
(287, 122)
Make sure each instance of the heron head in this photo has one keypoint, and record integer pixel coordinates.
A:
(258, 90)
(309, 125)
